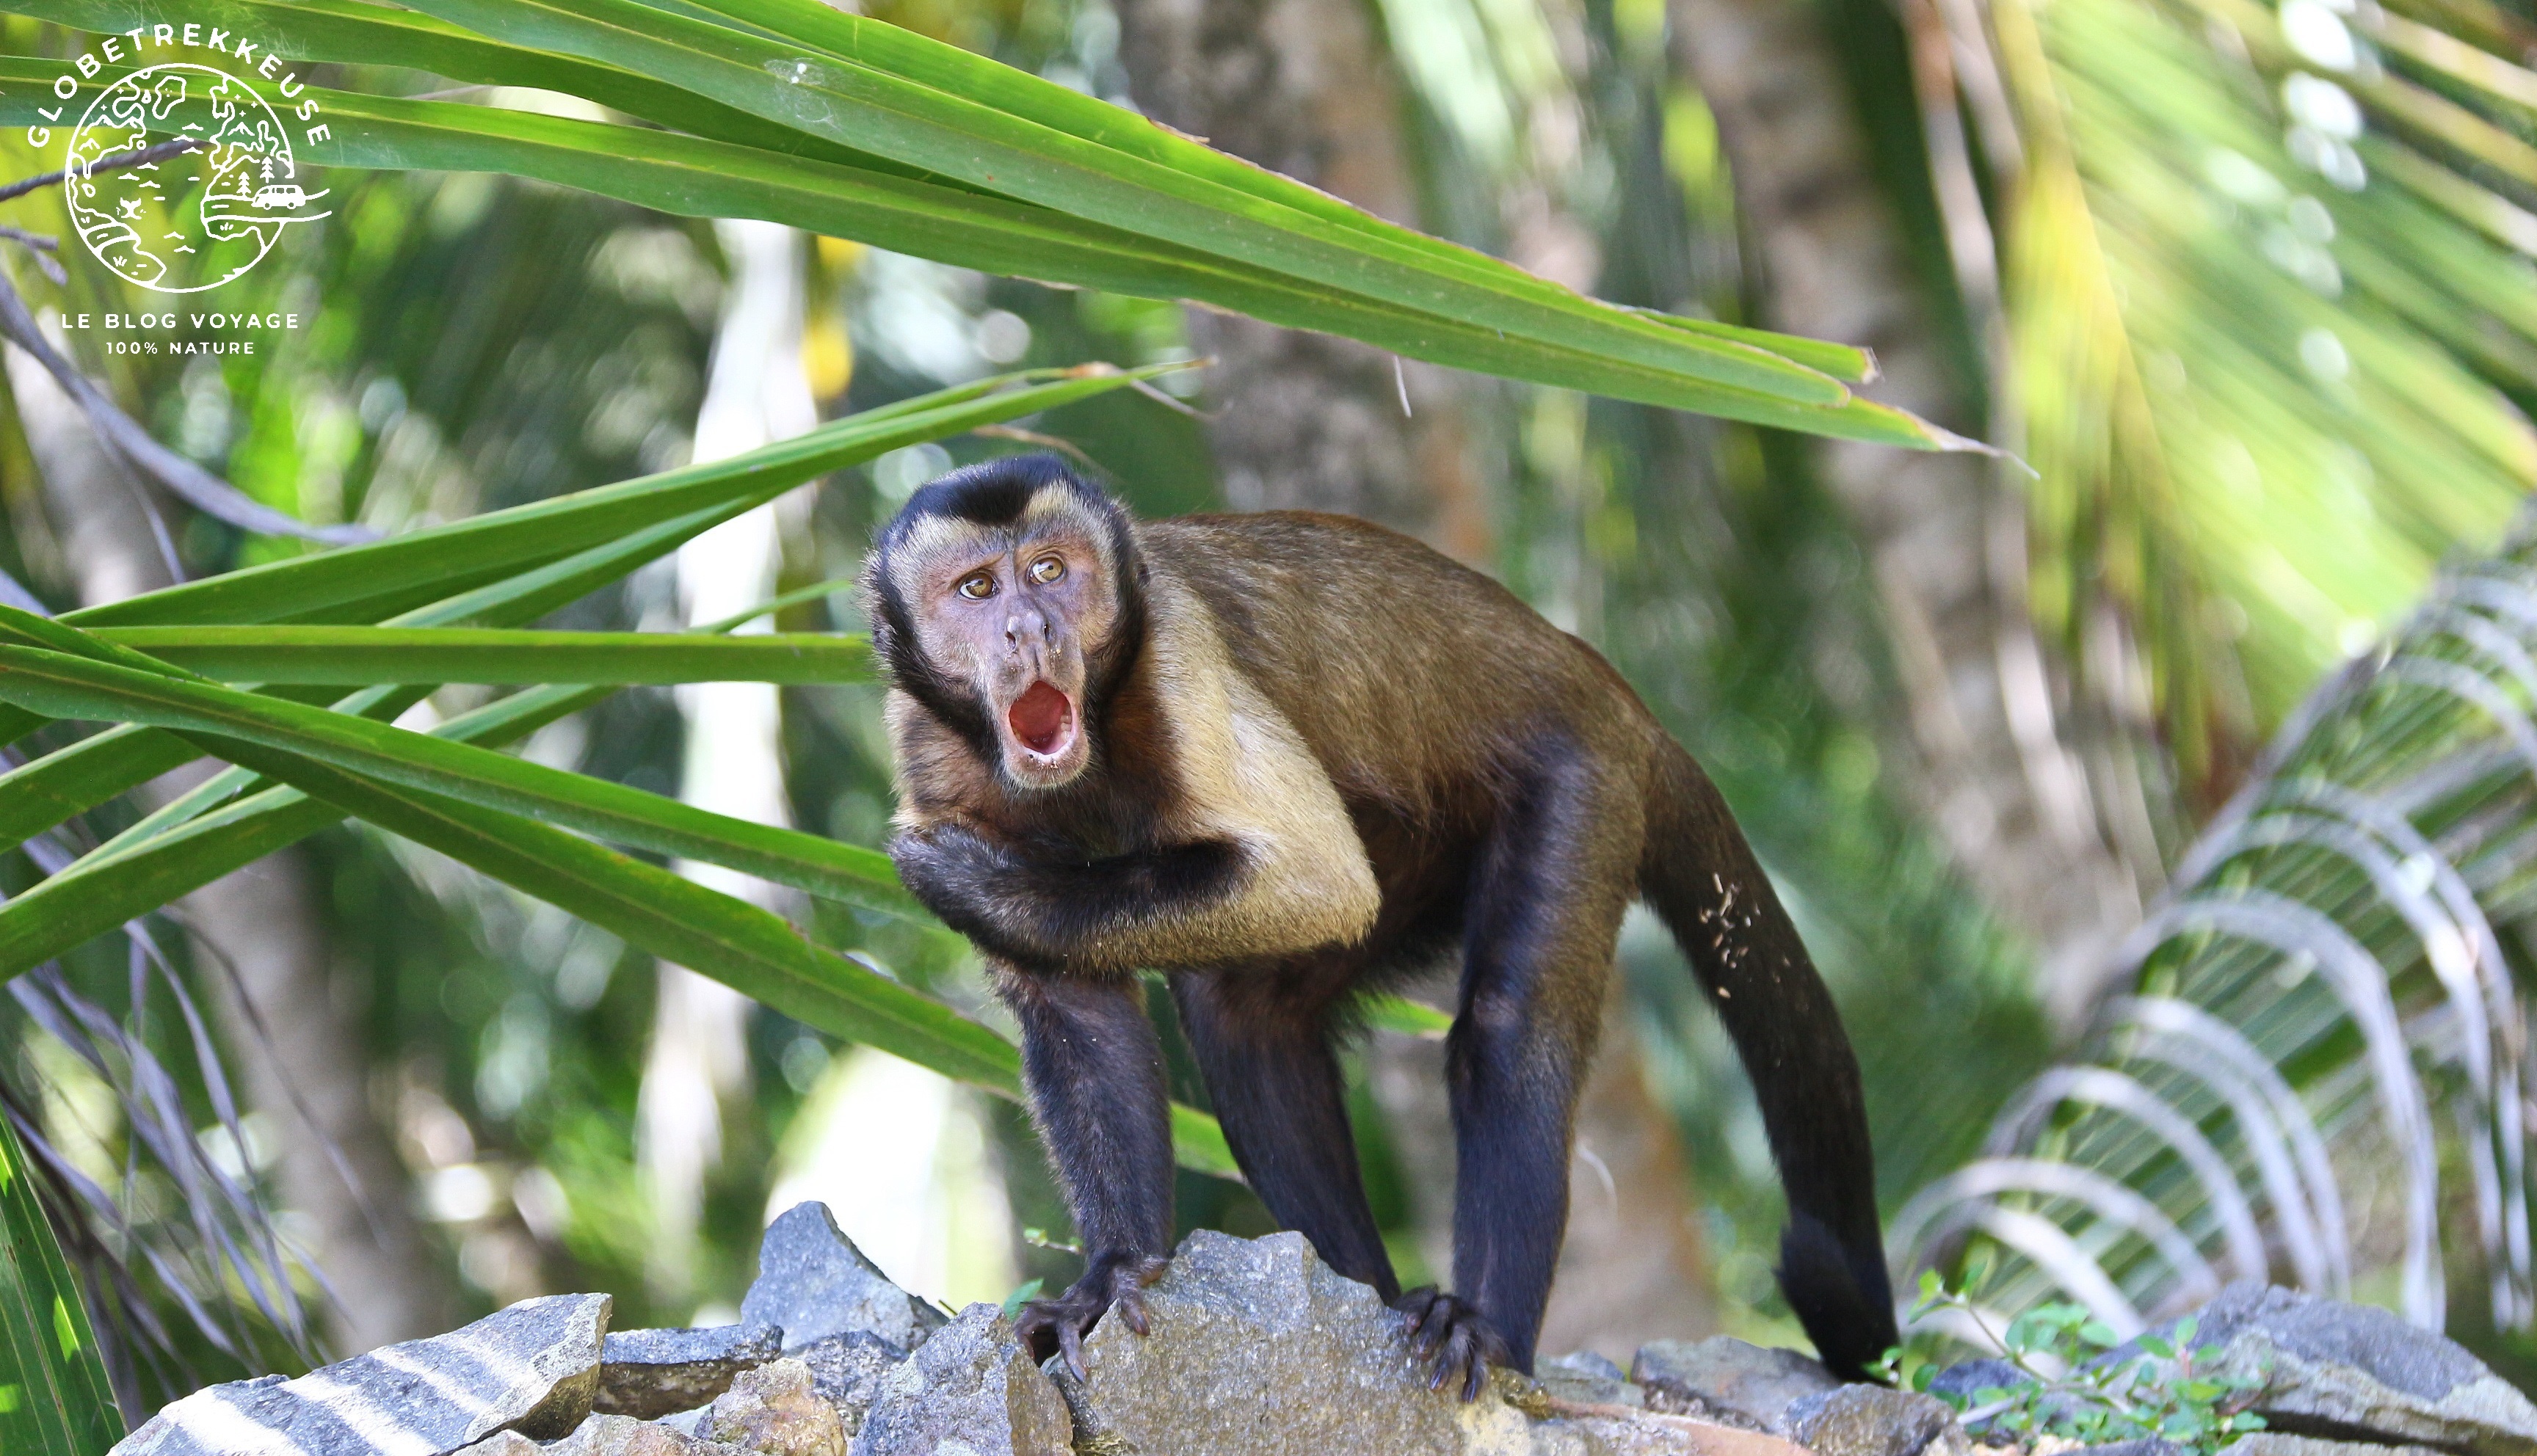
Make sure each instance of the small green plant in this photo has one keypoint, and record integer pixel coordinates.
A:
(2163, 1386)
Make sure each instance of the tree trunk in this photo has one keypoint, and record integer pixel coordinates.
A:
(1307, 421)
(259, 942)
(1945, 537)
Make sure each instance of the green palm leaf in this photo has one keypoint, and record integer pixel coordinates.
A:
(54, 1400)
(1010, 173)
(346, 656)
(62, 685)
(2264, 401)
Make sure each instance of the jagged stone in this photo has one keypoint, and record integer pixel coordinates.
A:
(2349, 1371)
(1651, 1435)
(648, 1373)
(1258, 1349)
(969, 1390)
(813, 1283)
(1873, 1421)
(848, 1372)
(1590, 1378)
(532, 1368)
(1965, 1380)
(624, 1435)
(1728, 1380)
(504, 1443)
(775, 1411)
(2282, 1443)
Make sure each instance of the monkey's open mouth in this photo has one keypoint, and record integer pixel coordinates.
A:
(1043, 719)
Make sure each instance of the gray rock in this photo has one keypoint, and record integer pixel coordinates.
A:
(1873, 1421)
(2347, 1371)
(1587, 1364)
(774, 1410)
(2283, 1443)
(813, 1283)
(969, 1390)
(532, 1368)
(647, 1373)
(624, 1435)
(848, 1372)
(1728, 1380)
(1963, 1380)
(1626, 1433)
(1258, 1349)
(1589, 1378)
(504, 1443)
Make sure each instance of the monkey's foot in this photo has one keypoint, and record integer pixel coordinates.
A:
(1454, 1336)
(1111, 1282)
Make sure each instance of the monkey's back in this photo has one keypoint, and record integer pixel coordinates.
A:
(1411, 676)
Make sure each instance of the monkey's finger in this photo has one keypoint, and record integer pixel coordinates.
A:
(1070, 1343)
(1151, 1270)
(1437, 1326)
(1421, 1314)
(1475, 1362)
(1032, 1330)
(1451, 1358)
(1132, 1310)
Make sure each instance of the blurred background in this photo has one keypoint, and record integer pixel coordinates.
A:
(2174, 948)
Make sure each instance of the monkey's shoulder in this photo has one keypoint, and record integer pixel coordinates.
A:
(1241, 772)
(1319, 556)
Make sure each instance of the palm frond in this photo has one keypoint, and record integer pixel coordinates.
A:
(793, 113)
(2342, 957)
(2269, 334)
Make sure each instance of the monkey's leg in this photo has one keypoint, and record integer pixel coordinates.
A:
(1094, 1072)
(1544, 909)
(1261, 1038)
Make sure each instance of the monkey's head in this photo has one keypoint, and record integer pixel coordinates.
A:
(1007, 597)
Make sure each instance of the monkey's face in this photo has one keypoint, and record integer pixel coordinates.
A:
(1016, 611)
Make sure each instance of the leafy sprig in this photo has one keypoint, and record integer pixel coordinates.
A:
(2082, 1383)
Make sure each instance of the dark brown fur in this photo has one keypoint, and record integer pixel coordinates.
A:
(1510, 797)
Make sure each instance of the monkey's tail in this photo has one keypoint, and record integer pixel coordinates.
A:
(1701, 878)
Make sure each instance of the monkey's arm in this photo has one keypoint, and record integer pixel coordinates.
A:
(1201, 899)
(1036, 909)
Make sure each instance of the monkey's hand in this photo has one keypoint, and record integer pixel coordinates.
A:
(958, 874)
(1112, 1283)
(1454, 1336)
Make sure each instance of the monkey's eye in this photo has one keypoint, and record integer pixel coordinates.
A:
(977, 585)
(1047, 569)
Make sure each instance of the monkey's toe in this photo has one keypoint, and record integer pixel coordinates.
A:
(1111, 1284)
(1453, 1336)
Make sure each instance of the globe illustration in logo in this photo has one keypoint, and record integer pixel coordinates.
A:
(199, 218)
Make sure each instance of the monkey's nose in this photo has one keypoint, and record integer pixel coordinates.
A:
(1029, 626)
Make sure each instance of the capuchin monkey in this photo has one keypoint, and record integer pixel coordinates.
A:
(1286, 759)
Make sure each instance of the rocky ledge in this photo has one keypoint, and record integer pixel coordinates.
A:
(1257, 1349)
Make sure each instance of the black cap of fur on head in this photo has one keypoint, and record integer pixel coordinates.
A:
(995, 494)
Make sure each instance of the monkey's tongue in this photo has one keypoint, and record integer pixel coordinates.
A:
(1041, 717)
